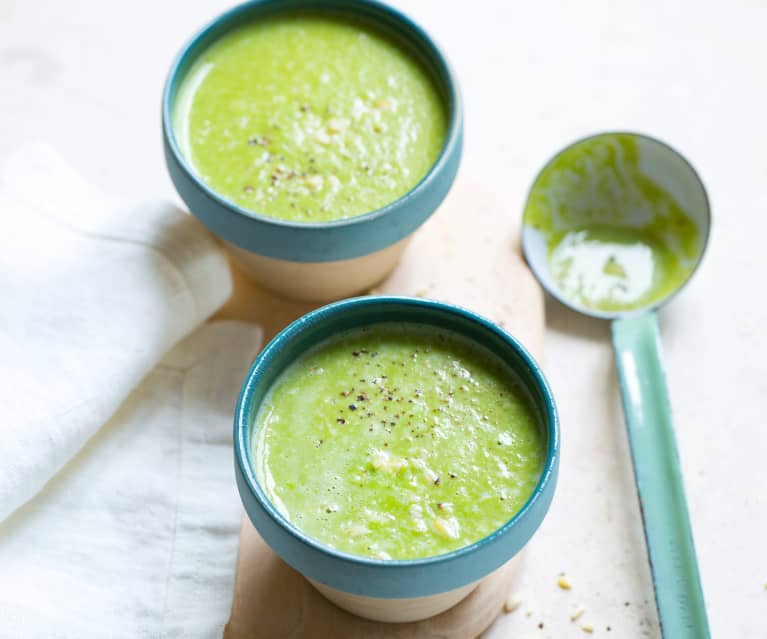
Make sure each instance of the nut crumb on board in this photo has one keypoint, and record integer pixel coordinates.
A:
(511, 604)
(587, 627)
(576, 613)
(564, 583)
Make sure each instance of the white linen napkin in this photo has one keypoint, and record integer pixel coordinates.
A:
(91, 297)
(118, 510)
(136, 538)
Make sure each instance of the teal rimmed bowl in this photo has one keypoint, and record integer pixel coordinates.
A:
(318, 261)
(391, 590)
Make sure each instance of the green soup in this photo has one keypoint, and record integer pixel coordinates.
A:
(398, 441)
(309, 118)
(616, 239)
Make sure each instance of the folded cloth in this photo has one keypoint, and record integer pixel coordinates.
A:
(91, 298)
(137, 536)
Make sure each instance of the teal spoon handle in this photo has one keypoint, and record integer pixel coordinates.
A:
(678, 593)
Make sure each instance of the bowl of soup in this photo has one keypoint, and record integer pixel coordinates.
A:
(395, 451)
(313, 137)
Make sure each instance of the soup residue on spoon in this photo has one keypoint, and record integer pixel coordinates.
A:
(616, 239)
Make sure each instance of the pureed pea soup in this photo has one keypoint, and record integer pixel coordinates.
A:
(398, 441)
(309, 117)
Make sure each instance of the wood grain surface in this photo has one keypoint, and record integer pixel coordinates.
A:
(466, 254)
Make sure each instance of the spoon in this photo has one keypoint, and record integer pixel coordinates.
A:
(614, 226)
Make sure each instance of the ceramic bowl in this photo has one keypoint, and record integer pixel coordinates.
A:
(318, 261)
(391, 590)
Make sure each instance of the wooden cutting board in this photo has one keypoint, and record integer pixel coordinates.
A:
(467, 254)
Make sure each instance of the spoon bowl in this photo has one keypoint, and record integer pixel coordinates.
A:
(615, 224)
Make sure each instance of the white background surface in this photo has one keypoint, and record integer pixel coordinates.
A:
(87, 76)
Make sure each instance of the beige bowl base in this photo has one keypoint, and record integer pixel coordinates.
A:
(319, 281)
(274, 601)
(395, 610)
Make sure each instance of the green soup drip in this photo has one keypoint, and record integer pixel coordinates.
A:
(616, 239)
(398, 441)
(309, 118)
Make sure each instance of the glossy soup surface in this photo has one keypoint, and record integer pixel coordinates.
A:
(309, 118)
(398, 441)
